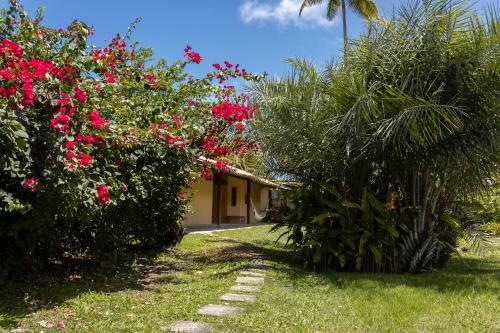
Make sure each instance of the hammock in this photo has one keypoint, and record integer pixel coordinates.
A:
(259, 216)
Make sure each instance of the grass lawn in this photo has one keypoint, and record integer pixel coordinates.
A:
(148, 294)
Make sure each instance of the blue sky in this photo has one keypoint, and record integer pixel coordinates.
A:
(258, 34)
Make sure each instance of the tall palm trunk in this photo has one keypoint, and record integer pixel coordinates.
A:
(344, 27)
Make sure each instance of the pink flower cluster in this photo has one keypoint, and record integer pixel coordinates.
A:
(229, 70)
(222, 166)
(80, 95)
(102, 194)
(232, 112)
(61, 123)
(170, 140)
(192, 56)
(96, 121)
(31, 184)
(206, 172)
(20, 82)
(19, 75)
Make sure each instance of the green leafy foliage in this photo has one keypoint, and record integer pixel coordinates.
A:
(330, 230)
(98, 144)
(413, 115)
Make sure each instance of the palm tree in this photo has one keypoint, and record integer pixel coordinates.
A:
(414, 114)
(364, 8)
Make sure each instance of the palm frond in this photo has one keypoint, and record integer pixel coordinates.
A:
(309, 3)
(367, 9)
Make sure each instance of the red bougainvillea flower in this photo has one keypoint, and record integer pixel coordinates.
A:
(110, 77)
(31, 184)
(221, 165)
(9, 49)
(206, 172)
(102, 194)
(96, 121)
(172, 139)
(151, 80)
(178, 121)
(70, 145)
(192, 56)
(84, 160)
(232, 112)
(239, 127)
(60, 123)
(80, 95)
(27, 88)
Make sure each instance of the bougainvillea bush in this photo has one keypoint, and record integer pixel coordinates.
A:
(97, 144)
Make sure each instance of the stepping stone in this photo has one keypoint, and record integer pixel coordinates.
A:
(258, 267)
(249, 273)
(219, 310)
(238, 298)
(242, 287)
(250, 280)
(190, 327)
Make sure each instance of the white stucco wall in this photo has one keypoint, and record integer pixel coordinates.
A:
(241, 188)
(201, 203)
(201, 196)
(264, 198)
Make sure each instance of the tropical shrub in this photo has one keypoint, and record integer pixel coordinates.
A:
(412, 117)
(483, 213)
(97, 144)
(491, 228)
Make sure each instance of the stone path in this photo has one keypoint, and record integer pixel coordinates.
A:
(250, 280)
(238, 298)
(242, 287)
(189, 326)
(219, 310)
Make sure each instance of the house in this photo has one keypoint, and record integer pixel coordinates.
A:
(235, 196)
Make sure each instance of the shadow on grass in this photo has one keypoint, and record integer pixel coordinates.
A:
(466, 275)
(62, 281)
(67, 280)
(462, 274)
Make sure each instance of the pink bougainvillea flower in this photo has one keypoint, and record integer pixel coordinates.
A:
(96, 121)
(9, 49)
(61, 325)
(80, 95)
(239, 127)
(206, 172)
(172, 139)
(110, 78)
(31, 184)
(103, 195)
(84, 160)
(222, 165)
(232, 112)
(192, 56)
(70, 145)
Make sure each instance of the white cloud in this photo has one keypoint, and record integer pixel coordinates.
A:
(285, 12)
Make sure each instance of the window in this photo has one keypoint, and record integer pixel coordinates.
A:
(233, 196)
